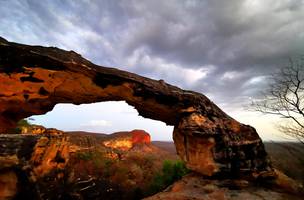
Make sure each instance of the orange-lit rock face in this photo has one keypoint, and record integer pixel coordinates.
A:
(127, 140)
(220, 145)
(122, 143)
(35, 130)
(197, 152)
(34, 79)
(140, 137)
(50, 154)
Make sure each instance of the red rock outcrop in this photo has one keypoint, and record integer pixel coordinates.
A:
(140, 137)
(127, 140)
(33, 79)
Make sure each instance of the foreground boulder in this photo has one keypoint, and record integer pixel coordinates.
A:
(33, 79)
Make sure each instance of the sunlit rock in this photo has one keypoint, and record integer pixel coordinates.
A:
(127, 140)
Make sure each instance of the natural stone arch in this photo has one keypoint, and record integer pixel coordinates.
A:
(33, 79)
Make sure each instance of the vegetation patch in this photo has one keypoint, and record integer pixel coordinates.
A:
(172, 170)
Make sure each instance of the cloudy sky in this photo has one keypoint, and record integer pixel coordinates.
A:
(224, 49)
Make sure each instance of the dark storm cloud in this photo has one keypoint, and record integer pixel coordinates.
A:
(81, 26)
(232, 33)
(226, 49)
(245, 41)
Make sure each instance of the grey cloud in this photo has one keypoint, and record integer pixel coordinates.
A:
(169, 40)
(232, 36)
(220, 33)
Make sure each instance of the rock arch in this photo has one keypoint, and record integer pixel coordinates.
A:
(33, 79)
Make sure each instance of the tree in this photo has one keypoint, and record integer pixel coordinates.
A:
(285, 98)
(22, 126)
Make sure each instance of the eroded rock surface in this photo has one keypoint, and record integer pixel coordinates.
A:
(127, 140)
(38, 130)
(33, 79)
(196, 187)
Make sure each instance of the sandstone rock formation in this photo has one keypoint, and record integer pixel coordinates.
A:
(38, 130)
(127, 140)
(140, 137)
(34, 164)
(39, 153)
(33, 79)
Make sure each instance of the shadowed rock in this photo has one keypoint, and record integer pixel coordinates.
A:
(33, 79)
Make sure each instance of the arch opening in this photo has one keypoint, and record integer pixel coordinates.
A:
(103, 117)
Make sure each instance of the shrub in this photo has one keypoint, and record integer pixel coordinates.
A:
(171, 172)
(85, 155)
(24, 123)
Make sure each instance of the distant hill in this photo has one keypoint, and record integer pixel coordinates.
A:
(287, 157)
(165, 145)
(86, 133)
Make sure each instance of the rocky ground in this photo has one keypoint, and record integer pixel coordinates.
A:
(195, 187)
